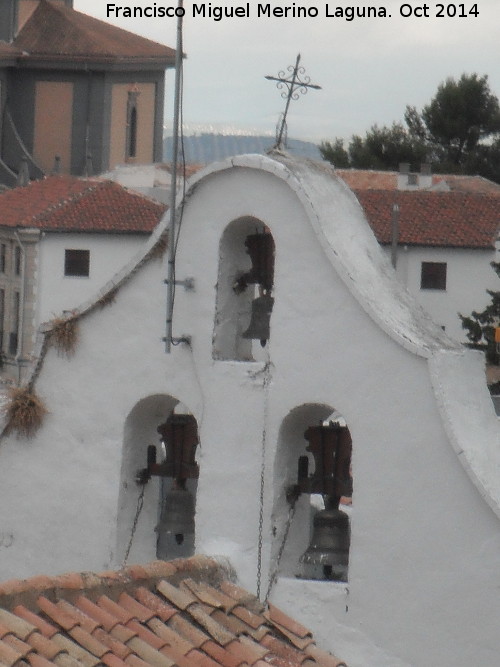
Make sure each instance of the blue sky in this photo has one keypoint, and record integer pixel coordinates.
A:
(369, 69)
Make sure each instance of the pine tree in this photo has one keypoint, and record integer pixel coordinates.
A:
(480, 327)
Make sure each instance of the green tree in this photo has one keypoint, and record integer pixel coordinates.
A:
(460, 115)
(456, 132)
(480, 327)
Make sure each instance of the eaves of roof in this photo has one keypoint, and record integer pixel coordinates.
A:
(184, 613)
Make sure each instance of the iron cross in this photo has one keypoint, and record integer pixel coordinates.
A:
(294, 85)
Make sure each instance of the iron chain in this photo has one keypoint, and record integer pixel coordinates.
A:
(140, 503)
(274, 575)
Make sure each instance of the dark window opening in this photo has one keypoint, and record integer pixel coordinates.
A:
(16, 317)
(3, 257)
(132, 140)
(433, 275)
(17, 260)
(132, 124)
(77, 263)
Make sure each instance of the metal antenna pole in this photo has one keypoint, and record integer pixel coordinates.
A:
(175, 148)
(394, 235)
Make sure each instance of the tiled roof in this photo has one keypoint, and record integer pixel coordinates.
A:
(443, 219)
(369, 179)
(66, 203)
(57, 32)
(181, 613)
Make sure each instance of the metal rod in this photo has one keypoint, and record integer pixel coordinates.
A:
(394, 235)
(175, 147)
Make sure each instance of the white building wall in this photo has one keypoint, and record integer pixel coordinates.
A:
(57, 292)
(469, 275)
(424, 553)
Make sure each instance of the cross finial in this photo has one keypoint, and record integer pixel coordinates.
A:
(296, 82)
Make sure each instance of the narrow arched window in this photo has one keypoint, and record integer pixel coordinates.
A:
(132, 124)
(244, 291)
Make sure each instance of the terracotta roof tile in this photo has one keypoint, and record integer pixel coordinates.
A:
(323, 658)
(180, 598)
(77, 614)
(18, 626)
(278, 617)
(44, 646)
(75, 650)
(18, 645)
(160, 608)
(122, 634)
(201, 660)
(8, 655)
(214, 629)
(230, 622)
(202, 594)
(220, 655)
(135, 661)
(67, 203)
(56, 614)
(117, 647)
(36, 660)
(66, 660)
(115, 609)
(149, 654)
(440, 219)
(170, 637)
(111, 660)
(136, 608)
(58, 32)
(35, 620)
(147, 635)
(187, 630)
(182, 613)
(99, 615)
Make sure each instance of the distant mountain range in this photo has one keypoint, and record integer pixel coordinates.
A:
(205, 148)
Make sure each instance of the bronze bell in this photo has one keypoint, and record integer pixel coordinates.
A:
(259, 325)
(177, 515)
(327, 557)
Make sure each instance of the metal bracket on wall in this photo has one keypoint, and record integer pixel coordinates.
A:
(188, 284)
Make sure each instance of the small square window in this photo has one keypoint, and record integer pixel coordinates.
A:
(77, 263)
(433, 275)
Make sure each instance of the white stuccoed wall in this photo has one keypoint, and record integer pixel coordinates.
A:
(469, 275)
(57, 292)
(424, 554)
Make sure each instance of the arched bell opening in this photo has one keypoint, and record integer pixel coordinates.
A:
(313, 480)
(157, 500)
(244, 291)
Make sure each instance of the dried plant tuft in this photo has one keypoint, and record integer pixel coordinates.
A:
(63, 334)
(24, 412)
